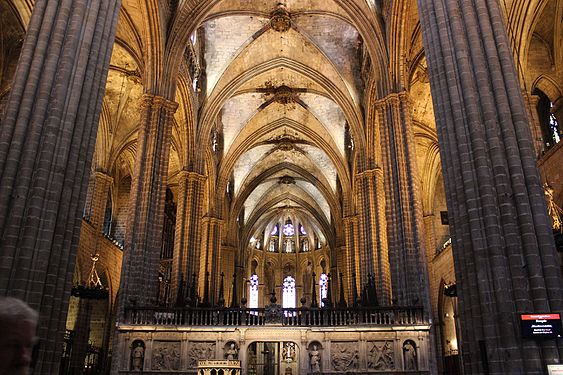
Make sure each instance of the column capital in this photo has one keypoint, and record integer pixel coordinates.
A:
(530, 98)
(212, 220)
(369, 173)
(103, 176)
(394, 98)
(157, 102)
(192, 176)
(350, 220)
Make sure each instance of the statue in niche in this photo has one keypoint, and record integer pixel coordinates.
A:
(307, 274)
(381, 356)
(269, 276)
(409, 355)
(137, 356)
(315, 359)
(231, 353)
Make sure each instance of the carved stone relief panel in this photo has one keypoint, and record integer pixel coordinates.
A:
(200, 350)
(165, 355)
(344, 356)
(381, 355)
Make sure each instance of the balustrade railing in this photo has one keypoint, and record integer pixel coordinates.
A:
(275, 315)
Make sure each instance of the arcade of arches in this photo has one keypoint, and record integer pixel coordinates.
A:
(290, 187)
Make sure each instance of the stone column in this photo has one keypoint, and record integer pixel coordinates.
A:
(143, 238)
(503, 246)
(187, 245)
(531, 102)
(374, 257)
(403, 207)
(81, 336)
(209, 259)
(47, 138)
(352, 255)
(101, 184)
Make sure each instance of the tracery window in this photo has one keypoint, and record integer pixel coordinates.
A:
(323, 287)
(274, 236)
(554, 127)
(288, 229)
(550, 128)
(288, 246)
(253, 292)
(304, 245)
(288, 292)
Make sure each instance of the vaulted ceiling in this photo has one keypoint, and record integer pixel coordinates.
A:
(283, 82)
(273, 98)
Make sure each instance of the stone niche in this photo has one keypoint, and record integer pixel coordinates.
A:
(334, 350)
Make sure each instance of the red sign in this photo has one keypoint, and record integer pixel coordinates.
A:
(540, 316)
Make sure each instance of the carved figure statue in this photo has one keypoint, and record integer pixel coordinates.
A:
(138, 356)
(409, 354)
(307, 273)
(315, 360)
(232, 352)
(269, 273)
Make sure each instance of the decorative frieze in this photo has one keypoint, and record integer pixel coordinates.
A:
(355, 350)
(344, 356)
(200, 351)
(381, 355)
(165, 356)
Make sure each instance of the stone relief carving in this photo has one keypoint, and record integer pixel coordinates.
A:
(344, 356)
(381, 355)
(200, 350)
(165, 355)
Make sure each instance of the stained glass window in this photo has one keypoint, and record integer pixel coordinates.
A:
(304, 245)
(272, 247)
(288, 229)
(253, 292)
(288, 293)
(323, 287)
(289, 246)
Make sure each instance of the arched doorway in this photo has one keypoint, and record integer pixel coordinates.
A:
(447, 308)
(272, 358)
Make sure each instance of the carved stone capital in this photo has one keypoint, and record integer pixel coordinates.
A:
(158, 102)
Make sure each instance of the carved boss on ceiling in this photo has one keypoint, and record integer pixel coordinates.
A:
(280, 19)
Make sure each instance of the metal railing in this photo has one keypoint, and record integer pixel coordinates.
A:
(275, 315)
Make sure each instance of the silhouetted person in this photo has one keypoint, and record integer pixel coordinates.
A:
(18, 323)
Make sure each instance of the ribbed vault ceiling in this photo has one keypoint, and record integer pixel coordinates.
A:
(281, 96)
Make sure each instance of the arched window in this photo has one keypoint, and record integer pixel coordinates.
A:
(274, 238)
(551, 131)
(288, 246)
(288, 293)
(253, 292)
(323, 287)
(288, 229)
(304, 245)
